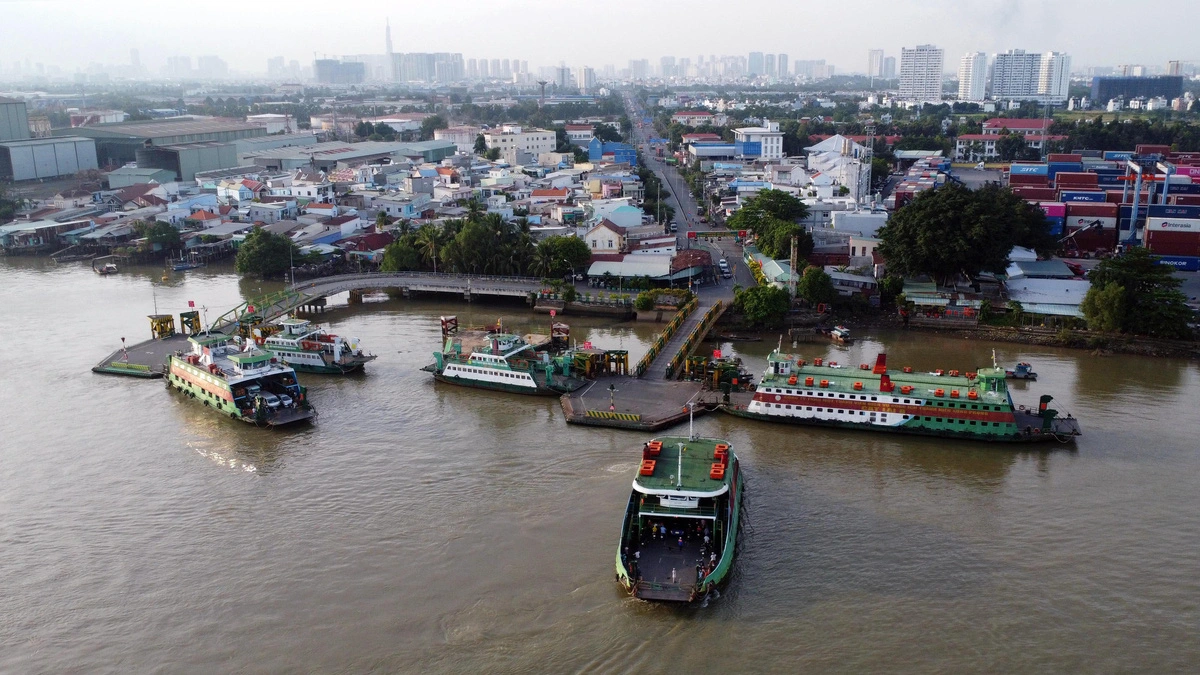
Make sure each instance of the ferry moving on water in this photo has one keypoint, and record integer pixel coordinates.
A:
(311, 350)
(972, 406)
(247, 384)
(679, 535)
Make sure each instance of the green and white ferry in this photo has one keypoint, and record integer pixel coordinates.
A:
(680, 531)
(504, 362)
(247, 384)
(300, 345)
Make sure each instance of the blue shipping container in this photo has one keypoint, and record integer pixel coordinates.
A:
(1180, 262)
(1171, 211)
(1028, 170)
(1118, 155)
(1184, 189)
(1081, 196)
(1056, 226)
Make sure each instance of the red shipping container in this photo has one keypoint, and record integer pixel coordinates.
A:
(1063, 157)
(1025, 179)
(1173, 243)
(1184, 157)
(1152, 150)
(1113, 196)
(1071, 180)
(1185, 200)
(1093, 209)
(1037, 194)
(1094, 239)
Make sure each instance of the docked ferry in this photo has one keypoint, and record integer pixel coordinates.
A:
(311, 350)
(972, 405)
(679, 534)
(246, 384)
(504, 362)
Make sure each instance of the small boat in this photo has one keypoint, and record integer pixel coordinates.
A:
(504, 362)
(106, 269)
(680, 531)
(182, 266)
(243, 382)
(1022, 371)
(307, 349)
(840, 335)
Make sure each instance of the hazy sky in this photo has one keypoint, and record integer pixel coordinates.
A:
(74, 33)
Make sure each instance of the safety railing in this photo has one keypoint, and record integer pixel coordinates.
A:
(693, 338)
(664, 337)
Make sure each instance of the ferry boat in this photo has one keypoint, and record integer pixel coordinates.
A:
(246, 384)
(505, 362)
(973, 405)
(307, 349)
(679, 534)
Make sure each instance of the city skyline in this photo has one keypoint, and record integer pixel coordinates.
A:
(496, 28)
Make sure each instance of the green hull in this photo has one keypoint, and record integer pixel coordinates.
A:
(227, 408)
(902, 429)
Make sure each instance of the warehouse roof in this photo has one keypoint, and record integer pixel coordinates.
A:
(181, 126)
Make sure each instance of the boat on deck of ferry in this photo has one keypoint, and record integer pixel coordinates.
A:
(973, 405)
(247, 384)
(308, 349)
(503, 362)
(679, 534)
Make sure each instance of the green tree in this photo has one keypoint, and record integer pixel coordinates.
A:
(401, 255)
(381, 221)
(493, 154)
(815, 286)
(164, 235)
(771, 217)
(363, 129)
(431, 124)
(573, 251)
(426, 243)
(9, 205)
(765, 306)
(264, 254)
(1150, 302)
(952, 230)
(607, 134)
(480, 145)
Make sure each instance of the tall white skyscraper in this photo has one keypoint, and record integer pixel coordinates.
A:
(921, 73)
(1015, 75)
(1054, 77)
(756, 64)
(783, 65)
(972, 76)
(874, 63)
(889, 67)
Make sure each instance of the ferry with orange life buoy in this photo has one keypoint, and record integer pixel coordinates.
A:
(972, 405)
(239, 380)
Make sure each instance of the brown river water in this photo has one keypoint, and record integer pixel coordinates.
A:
(420, 527)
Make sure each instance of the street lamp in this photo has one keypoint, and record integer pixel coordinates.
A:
(612, 389)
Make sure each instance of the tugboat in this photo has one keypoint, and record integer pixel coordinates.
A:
(246, 384)
(679, 534)
(310, 350)
(1022, 371)
(503, 362)
(973, 405)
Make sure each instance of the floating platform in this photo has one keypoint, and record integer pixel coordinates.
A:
(144, 359)
(637, 404)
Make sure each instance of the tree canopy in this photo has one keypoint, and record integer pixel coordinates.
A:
(815, 286)
(952, 230)
(264, 254)
(163, 235)
(762, 305)
(431, 124)
(771, 217)
(1133, 293)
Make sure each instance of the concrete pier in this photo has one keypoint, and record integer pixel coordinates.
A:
(144, 359)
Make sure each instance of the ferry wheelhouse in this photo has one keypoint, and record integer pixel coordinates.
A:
(246, 384)
(679, 534)
(307, 349)
(972, 405)
(505, 362)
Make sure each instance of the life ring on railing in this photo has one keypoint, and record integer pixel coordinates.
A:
(820, 308)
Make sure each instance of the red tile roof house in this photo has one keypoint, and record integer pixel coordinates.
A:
(544, 196)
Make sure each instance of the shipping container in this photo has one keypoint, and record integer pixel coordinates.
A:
(1117, 155)
(1186, 225)
(1092, 240)
(1029, 179)
(1056, 226)
(1185, 200)
(1173, 243)
(1081, 196)
(1191, 171)
(1075, 221)
(1184, 157)
(1036, 194)
(1172, 211)
(1054, 209)
(1063, 157)
(1028, 169)
(1147, 149)
(1075, 179)
(1093, 209)
(1185, 189)
(1181, 263)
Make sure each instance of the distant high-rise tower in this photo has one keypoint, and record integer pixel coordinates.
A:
(1054, 77)
(1015, 75)
(889, 67)
(921, 73)
(769, 65)
(783, 66)
(972, 76)
(755, 64)
(387, 44)
(874, 63)
(1174, 68)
